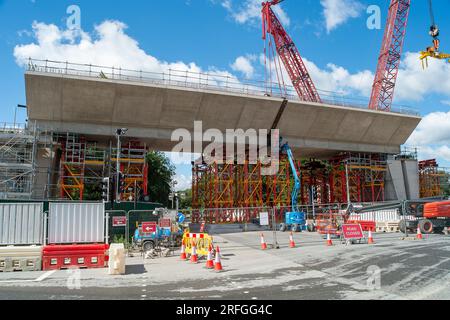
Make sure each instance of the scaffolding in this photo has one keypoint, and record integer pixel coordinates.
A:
(431, 179)
(315, 186)
(17, 161)
(278, 187)
(72, 167)
(134, 168)
(362, 174)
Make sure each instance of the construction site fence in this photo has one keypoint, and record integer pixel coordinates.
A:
(252, 215)
(213, 80)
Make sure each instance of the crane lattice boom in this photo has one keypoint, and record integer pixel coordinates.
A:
(389, 60)
(289, 54)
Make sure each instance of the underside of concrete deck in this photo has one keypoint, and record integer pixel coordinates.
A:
(97, 107)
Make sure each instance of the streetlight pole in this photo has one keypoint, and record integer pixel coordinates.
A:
(118, 169)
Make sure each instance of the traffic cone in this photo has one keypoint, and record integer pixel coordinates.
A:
(370, 241)
(329, 241)
(291, 241)
(419, 234)
(263, 242)
(209, 261)
(218, 262)
(194, 256)
(183, 251)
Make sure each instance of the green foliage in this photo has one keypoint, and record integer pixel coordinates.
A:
(160, 175)
(93, 192)
(186, 199)
(118, 239)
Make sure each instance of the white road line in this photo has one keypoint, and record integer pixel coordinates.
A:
(45, 276)
(40, 279)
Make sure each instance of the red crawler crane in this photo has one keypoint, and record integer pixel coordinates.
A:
(389, 60)
(289, 54)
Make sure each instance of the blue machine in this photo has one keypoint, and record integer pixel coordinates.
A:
(295, 220)
(162, 236)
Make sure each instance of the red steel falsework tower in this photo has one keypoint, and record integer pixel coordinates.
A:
(289, 54)
(389, 60)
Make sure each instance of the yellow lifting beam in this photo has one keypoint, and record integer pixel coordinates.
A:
(424, 55)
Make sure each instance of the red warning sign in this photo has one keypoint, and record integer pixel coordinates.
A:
(352, 231)
(148, 227)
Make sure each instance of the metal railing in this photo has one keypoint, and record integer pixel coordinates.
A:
(213, 80)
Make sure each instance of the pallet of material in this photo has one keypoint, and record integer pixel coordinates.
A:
(388, 226)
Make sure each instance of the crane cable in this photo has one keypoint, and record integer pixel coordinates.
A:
(430, 4)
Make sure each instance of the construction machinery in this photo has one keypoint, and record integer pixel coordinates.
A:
(390, 56)
(429, 215)
(289, 55)
(294, 220)
(433, 51)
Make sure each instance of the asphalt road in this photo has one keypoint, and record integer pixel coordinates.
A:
(390, 269)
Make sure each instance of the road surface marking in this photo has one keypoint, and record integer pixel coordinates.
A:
(40, 279)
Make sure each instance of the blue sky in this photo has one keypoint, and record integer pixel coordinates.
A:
(341, 52)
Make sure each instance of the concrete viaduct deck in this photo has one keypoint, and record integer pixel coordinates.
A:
(96, 107)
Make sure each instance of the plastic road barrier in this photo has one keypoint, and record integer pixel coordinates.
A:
(116, 263)
(57, 257)
(202, 242)
(20, 258)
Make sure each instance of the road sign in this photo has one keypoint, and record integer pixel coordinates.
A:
(264, 218)
(119, 221)
(352, 231)
(148, 227)
(165, 223)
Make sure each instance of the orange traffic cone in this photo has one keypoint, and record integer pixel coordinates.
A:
(218, 262)
(291, 241)
(194, 256)
(419, 234)
(329, 241)
(370, 241)
(263, 242)
(183, 251)
(209, 261)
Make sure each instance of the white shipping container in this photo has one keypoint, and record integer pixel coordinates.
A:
(21, 224)
(79, 223)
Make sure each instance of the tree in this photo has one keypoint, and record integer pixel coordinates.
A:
(160, 175)
(185, 199)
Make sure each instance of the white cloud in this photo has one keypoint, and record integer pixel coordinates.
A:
(108, 45)
(432, 137)
(244, 65)
(337, 12)
(434, 129)
(414, 83)
(249, 11)
(183, 182)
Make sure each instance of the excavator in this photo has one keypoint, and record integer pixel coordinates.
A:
(433, 51)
